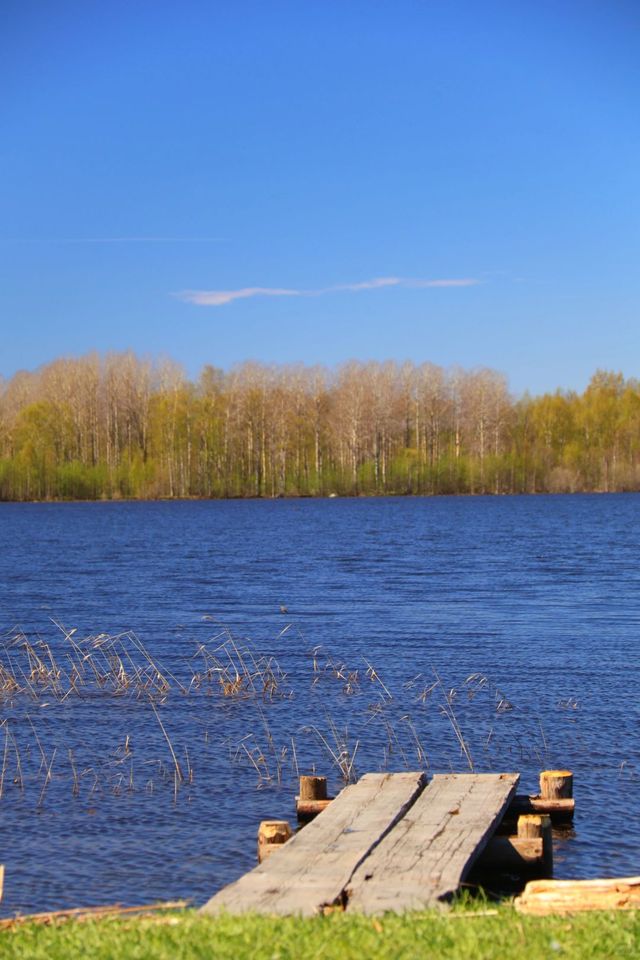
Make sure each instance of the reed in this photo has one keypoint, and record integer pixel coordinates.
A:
(329, 713)
(341, 752)
(178, 769)
(447, 710)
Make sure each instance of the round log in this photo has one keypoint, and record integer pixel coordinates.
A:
(556, 784)
(272, 834)
(313, 788)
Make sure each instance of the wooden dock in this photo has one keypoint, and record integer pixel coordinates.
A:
(428, 855)
(388, 842)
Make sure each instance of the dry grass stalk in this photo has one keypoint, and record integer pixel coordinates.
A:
(447, 710)
(47, 778)
(342, 755)
(121, 669)
(178, 769)
(79, 914)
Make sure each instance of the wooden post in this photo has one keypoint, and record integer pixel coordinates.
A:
(312, 799)
(556, 785)
(532, 826)
(525, 854)
(272, 834)
(313, 788)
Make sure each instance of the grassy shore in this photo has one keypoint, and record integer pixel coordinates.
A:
(467, 933)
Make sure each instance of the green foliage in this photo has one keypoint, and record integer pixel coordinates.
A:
(118, 427)
(482, 934)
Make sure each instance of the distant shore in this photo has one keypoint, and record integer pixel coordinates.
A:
(119, 427)
(326, 496)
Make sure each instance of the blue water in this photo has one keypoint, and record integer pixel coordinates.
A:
(536, 599)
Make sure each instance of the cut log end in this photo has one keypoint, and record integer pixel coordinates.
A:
(556, 785)
(272, 834)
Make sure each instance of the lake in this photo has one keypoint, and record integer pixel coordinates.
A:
(168, 668)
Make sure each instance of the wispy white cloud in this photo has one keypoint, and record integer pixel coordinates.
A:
(460, 282)
(375, 284)
(218, 298)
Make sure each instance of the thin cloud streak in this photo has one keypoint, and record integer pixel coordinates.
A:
(219, 298)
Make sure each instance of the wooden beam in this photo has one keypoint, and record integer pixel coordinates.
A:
(306, 810)
(559, 810)
(542, 897)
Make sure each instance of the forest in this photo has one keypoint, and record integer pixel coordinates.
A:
(121, 426)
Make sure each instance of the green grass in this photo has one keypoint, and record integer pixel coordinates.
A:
(431, 935)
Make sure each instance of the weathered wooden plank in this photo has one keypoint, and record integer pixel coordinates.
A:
(430, 851)
(314, 867)
(541, 897)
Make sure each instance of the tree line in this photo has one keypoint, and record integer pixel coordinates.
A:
(119, 426)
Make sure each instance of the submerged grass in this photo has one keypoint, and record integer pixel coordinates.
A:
(467, 932)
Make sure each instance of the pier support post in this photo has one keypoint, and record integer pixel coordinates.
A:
(313, 788)
(312, 798)
(556, 785)
(272, 834)
(534, 826)
(555, 798)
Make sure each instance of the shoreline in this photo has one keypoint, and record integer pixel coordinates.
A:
(330, 496)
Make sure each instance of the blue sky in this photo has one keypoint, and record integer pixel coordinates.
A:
(314, 181)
